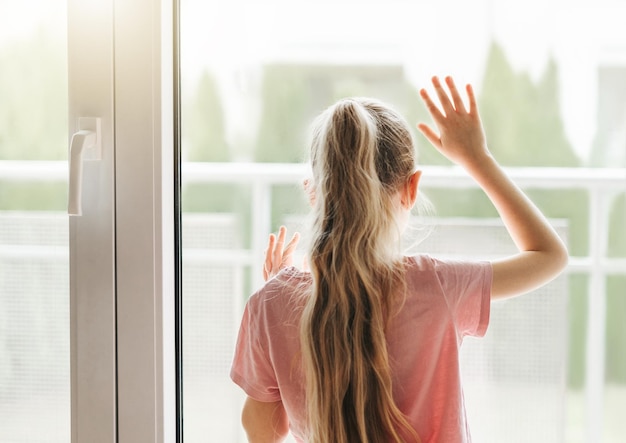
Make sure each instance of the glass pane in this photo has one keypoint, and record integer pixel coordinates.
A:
(254, 74)
(34, 287)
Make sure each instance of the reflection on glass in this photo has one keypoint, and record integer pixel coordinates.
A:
(255, 73)
(34, 267)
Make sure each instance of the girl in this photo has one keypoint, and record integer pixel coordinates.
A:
(364, 347)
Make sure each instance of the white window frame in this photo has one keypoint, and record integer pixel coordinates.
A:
(122, 249)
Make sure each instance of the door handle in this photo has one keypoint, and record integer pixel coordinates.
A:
(86, 145)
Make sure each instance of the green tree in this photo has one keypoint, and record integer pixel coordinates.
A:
(33, 116)
(203, 124)
(33, 93)
(287, 103)
(522, 119)
(204, 140)
(498, 102)
(546, 116)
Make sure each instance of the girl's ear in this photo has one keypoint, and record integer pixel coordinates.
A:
(409, 190)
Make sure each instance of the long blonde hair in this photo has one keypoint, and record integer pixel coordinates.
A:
(361, 154)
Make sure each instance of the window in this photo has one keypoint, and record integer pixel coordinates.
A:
(252, 76)
(255, 74)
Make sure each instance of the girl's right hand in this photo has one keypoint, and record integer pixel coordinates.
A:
(461, 136)
(277, 258)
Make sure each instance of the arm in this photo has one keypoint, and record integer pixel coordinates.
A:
(542, 255)
(264, 422)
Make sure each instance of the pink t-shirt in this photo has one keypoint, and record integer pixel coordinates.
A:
(446, 301)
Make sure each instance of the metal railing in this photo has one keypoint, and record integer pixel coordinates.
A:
(601, 185)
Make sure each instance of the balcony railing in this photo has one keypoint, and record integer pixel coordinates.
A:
(601, 186)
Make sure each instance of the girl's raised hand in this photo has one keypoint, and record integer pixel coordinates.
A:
(461, 137)
(277, 255)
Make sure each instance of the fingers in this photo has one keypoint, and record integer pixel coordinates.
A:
(448, 106)
(269, 252)
(443, 96)
(434, 111)
(277, 258)
(473, 106)
(456, 97)
(277, 255)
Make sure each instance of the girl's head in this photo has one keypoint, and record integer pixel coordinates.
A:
(364, 169)
(364, 183)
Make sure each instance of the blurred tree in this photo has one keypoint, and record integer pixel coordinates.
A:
(33, 116)
(293, 96)
(290, 98)
(498, 102)
(204, 140)
(203, 129)
(548, 128)
(522, 119)
(286, 95)
(33, 93)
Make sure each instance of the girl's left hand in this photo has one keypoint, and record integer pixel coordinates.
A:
(277, 258)
(461, 136)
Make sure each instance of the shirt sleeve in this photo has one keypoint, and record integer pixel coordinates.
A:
(252, 369)
(467, 288)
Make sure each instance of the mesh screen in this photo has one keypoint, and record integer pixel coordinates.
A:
(212, 301)
(34, 328)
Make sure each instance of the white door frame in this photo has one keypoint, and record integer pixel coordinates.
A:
(122, 259)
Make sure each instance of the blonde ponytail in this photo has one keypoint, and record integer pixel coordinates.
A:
(361, 153)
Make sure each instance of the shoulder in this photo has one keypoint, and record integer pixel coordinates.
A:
(427, 263)
(449, 274)
(464, 287)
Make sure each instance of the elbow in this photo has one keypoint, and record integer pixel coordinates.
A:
(554, 261)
